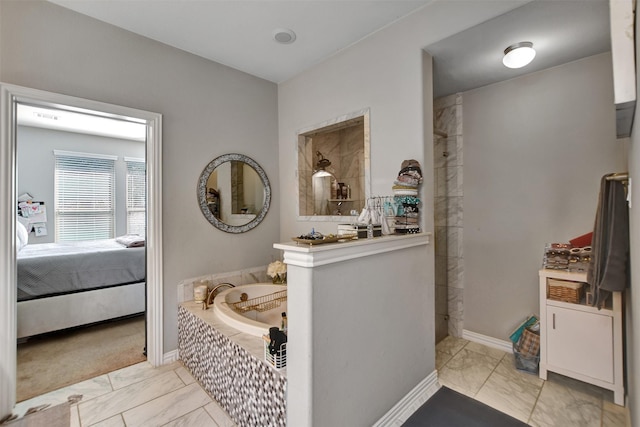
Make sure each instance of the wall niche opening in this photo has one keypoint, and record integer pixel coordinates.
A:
(333, 167)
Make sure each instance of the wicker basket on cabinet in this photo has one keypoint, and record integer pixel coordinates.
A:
(564, 290)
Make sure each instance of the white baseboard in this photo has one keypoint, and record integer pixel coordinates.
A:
(170, 357)
(487, 340)
(411, 402)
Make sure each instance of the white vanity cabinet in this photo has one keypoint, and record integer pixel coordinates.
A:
(580, 341)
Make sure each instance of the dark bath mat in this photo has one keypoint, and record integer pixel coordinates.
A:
(448, 408)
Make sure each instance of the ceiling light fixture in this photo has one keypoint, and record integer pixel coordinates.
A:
(284, 36)
(518, 55)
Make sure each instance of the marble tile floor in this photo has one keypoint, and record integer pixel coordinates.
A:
(141, 395)
(489, 376)
(138, 395)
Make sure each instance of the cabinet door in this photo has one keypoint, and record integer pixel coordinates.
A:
(580, 342)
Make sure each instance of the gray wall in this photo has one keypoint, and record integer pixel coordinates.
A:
(632, 297)
(36, 168)
(208, 109)
(383, 72)
(535, 148)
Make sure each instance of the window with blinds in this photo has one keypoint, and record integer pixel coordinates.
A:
(136, 196)
(84, 196)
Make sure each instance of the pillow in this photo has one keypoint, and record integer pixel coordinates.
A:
(24, 221)
(22, 235)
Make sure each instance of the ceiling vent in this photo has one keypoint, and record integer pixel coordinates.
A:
(284, 36)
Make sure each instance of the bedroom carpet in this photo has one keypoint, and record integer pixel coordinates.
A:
(448, 408)
(51, 361)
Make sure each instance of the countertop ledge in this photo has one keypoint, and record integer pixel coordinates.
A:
(315, 255)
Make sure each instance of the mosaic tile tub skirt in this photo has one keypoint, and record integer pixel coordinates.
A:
(252, 393)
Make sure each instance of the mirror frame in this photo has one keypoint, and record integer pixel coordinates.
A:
(202, 193)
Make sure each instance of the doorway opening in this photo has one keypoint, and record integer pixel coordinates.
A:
(148, 290)
(80, 183)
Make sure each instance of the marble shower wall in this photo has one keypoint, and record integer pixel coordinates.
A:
(345, 150)
(448, 200)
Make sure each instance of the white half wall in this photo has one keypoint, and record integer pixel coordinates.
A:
(361, 328)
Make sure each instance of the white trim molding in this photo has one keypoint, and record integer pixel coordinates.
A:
(428, 386)
(487, 340)
(317, 255)
(411, 402)
(8, 293)
(10, 96)
(170, 357)
(155, 281)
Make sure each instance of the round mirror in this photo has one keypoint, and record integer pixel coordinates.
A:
(234, 193)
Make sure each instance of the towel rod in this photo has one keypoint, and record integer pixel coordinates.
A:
(620, 176)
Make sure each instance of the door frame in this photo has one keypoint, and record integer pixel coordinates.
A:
(10, 95)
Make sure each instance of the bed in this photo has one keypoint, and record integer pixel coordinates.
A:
(63, 285)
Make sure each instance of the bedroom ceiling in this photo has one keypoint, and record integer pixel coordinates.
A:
(92, 123)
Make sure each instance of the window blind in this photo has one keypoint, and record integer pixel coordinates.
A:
(136, 196)
(84, 196)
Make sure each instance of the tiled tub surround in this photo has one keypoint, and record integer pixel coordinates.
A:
(230, 366)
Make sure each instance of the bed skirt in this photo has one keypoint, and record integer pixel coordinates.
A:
(50, 314)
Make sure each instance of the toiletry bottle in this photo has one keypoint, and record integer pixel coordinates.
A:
(283, 324)
(370, 231)
(334, 189)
